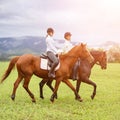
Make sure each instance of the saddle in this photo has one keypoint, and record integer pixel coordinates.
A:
(46, 62)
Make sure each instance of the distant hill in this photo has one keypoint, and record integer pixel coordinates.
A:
(109, 44)
(106, 45)
(12, 46)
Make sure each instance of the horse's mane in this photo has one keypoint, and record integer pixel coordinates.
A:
(72, 49)
(97, 52)
(69, 53)
(72, 52)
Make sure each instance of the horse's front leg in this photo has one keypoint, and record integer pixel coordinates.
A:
(57, 83)
(86, 80)
(94, 91)
(68, 83)
(78, 83)
(25, 85)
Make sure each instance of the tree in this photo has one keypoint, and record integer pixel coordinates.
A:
(114, 54)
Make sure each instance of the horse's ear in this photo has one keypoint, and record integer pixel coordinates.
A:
(82, 44)
(104, 51)
(85, 44)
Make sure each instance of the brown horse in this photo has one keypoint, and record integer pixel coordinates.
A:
(100, 58)
(28, 64)
(84, 72)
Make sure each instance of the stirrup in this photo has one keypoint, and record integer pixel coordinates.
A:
(75, 78)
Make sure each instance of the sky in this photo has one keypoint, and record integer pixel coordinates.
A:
(89, 21)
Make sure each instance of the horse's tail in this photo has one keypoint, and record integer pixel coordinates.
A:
(10, 67)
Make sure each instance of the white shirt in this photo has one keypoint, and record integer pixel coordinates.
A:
(67, 46)
(51, 45)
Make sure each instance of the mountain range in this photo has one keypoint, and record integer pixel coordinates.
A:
(12, 46)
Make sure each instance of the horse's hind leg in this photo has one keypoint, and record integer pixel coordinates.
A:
(19, 79)
(49, 84)
(55, 90)
(41, 84)
(25, 85)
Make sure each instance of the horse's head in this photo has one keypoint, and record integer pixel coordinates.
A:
(103, 60)
(100, 58)
(84, 53)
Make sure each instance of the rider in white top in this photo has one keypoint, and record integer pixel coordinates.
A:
(67, 45)
(51, 44)
(51, 52)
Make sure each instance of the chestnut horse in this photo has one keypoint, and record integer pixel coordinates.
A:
(28, 65)
(100, 58)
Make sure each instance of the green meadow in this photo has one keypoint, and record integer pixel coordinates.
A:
(105, 106)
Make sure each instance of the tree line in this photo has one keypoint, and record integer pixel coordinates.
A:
(113, 55)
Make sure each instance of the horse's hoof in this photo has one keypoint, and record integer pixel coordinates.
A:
(41, 97)
(33, 100)
(92, 97)
(79, 99)
(56, 96)
(13, 97)
(52, 100)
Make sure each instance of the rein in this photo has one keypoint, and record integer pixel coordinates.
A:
(76, 57)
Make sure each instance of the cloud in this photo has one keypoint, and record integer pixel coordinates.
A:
(88, 20)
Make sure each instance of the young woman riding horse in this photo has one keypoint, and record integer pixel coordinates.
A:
(28, 65)
(84, 71)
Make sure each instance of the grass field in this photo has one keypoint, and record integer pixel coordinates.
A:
(105, 106)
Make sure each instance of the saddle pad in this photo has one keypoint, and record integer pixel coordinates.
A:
(43, 65)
